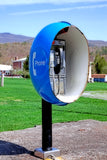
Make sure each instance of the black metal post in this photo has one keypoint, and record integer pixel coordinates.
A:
(46, 126)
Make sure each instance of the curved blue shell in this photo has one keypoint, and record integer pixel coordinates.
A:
(39, 61)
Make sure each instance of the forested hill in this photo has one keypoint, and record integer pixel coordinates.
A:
(11, 38)
(97, 43)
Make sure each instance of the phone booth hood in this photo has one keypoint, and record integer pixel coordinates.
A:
(76, 56)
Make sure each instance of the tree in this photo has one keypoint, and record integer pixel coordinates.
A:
(104, 69)
(26, 68)
(26, 64)
(99, 64)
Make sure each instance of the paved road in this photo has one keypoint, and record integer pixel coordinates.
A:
(96, 94)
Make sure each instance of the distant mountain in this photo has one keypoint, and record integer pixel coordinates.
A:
(11, 38)
(97, 43)
(9, 50)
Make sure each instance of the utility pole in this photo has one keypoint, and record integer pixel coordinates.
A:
(2, 79)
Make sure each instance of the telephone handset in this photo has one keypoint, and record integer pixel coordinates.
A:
(57, 61)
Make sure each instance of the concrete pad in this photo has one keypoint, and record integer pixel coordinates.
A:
(82, 140)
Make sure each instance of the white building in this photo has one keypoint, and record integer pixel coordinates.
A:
(6, 69)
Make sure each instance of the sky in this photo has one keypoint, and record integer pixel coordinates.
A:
(28, 17)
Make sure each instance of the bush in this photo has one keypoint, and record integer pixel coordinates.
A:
(100, 64)
(26, 74)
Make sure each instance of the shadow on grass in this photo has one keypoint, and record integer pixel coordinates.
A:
(8, 148)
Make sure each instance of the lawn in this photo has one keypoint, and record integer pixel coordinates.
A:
(20, 106)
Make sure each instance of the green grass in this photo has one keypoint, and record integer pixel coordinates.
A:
(20, 106)
(97, 86)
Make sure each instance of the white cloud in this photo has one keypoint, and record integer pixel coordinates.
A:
(59, 9)
(41, 11)
(19, 2)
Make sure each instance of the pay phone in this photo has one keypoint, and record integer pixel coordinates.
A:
(58, 56)
(58, 67)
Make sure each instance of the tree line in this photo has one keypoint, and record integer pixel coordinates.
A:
(103, 51)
